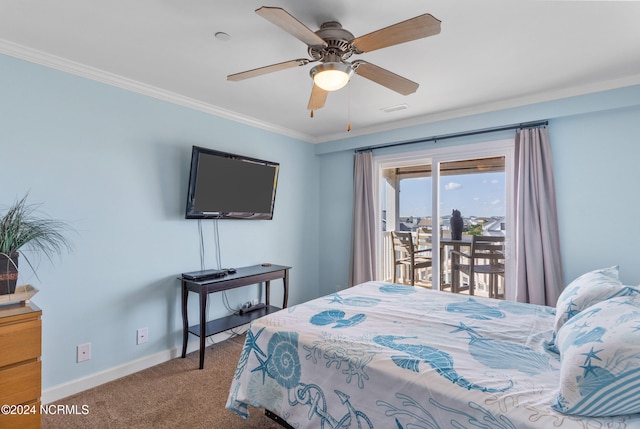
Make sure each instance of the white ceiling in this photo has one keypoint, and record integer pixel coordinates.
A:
(489, 55)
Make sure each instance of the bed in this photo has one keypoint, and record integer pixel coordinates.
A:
(390, 356)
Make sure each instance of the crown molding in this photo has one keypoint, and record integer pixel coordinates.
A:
(58, 63)
(511, 103)
(42, 58)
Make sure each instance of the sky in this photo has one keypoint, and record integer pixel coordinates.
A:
(472, 194)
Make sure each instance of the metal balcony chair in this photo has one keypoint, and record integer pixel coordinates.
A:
(408, 256)
(485, 256)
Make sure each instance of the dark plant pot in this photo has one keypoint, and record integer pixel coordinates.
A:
(457, 225)
(456, 233)
(8, 273)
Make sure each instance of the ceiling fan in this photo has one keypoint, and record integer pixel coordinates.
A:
(332, 46)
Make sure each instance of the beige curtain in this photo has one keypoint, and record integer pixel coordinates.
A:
(539, 278)
(363, 258)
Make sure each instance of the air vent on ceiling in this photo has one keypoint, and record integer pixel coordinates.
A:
(394, 108)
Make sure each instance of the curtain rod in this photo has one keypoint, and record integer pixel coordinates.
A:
(522, 125)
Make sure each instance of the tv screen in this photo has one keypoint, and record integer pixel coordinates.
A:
(228, 186)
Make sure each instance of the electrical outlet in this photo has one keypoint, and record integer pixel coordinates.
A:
(143, 335)
(84, 352)
(255, 302)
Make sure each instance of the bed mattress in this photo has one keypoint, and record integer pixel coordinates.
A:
(382, 355)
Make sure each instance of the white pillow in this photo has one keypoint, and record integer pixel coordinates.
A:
(600, 360)
(588, 289)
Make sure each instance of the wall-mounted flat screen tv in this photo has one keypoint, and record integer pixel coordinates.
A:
(229, 186)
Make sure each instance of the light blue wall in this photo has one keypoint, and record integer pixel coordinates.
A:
(596, 151)
(597, 177)
(114, 164)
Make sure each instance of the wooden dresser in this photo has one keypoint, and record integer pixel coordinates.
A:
(20, 366)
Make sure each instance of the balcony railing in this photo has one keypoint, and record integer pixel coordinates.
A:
(424, 277)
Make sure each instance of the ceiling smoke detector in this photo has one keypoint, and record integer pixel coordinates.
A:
(222, 36)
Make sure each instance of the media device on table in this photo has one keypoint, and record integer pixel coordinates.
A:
(208, 274)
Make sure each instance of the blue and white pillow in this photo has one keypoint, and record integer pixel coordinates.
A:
(600, 360)
(587, 290)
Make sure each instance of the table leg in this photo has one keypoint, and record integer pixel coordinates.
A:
(455, 272)
(267, 291)
(185, 319)
(285, 283)
(203, 324)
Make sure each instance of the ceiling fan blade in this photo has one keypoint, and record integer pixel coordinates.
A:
(318, 98)
(405, 31)
(384, 77)
(291, 25)
(268, 69)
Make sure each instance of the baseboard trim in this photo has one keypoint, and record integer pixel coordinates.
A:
(72, 387)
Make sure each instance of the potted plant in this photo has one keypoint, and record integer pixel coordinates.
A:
(22, 229)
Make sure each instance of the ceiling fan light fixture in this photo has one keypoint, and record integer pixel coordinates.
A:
(331, 76)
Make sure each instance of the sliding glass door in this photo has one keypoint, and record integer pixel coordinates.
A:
(473, 202)
(419, 192)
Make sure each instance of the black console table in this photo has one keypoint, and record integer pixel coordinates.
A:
(242, 277)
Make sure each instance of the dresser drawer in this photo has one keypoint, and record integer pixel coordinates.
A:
(20, 384)
(20, 341)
